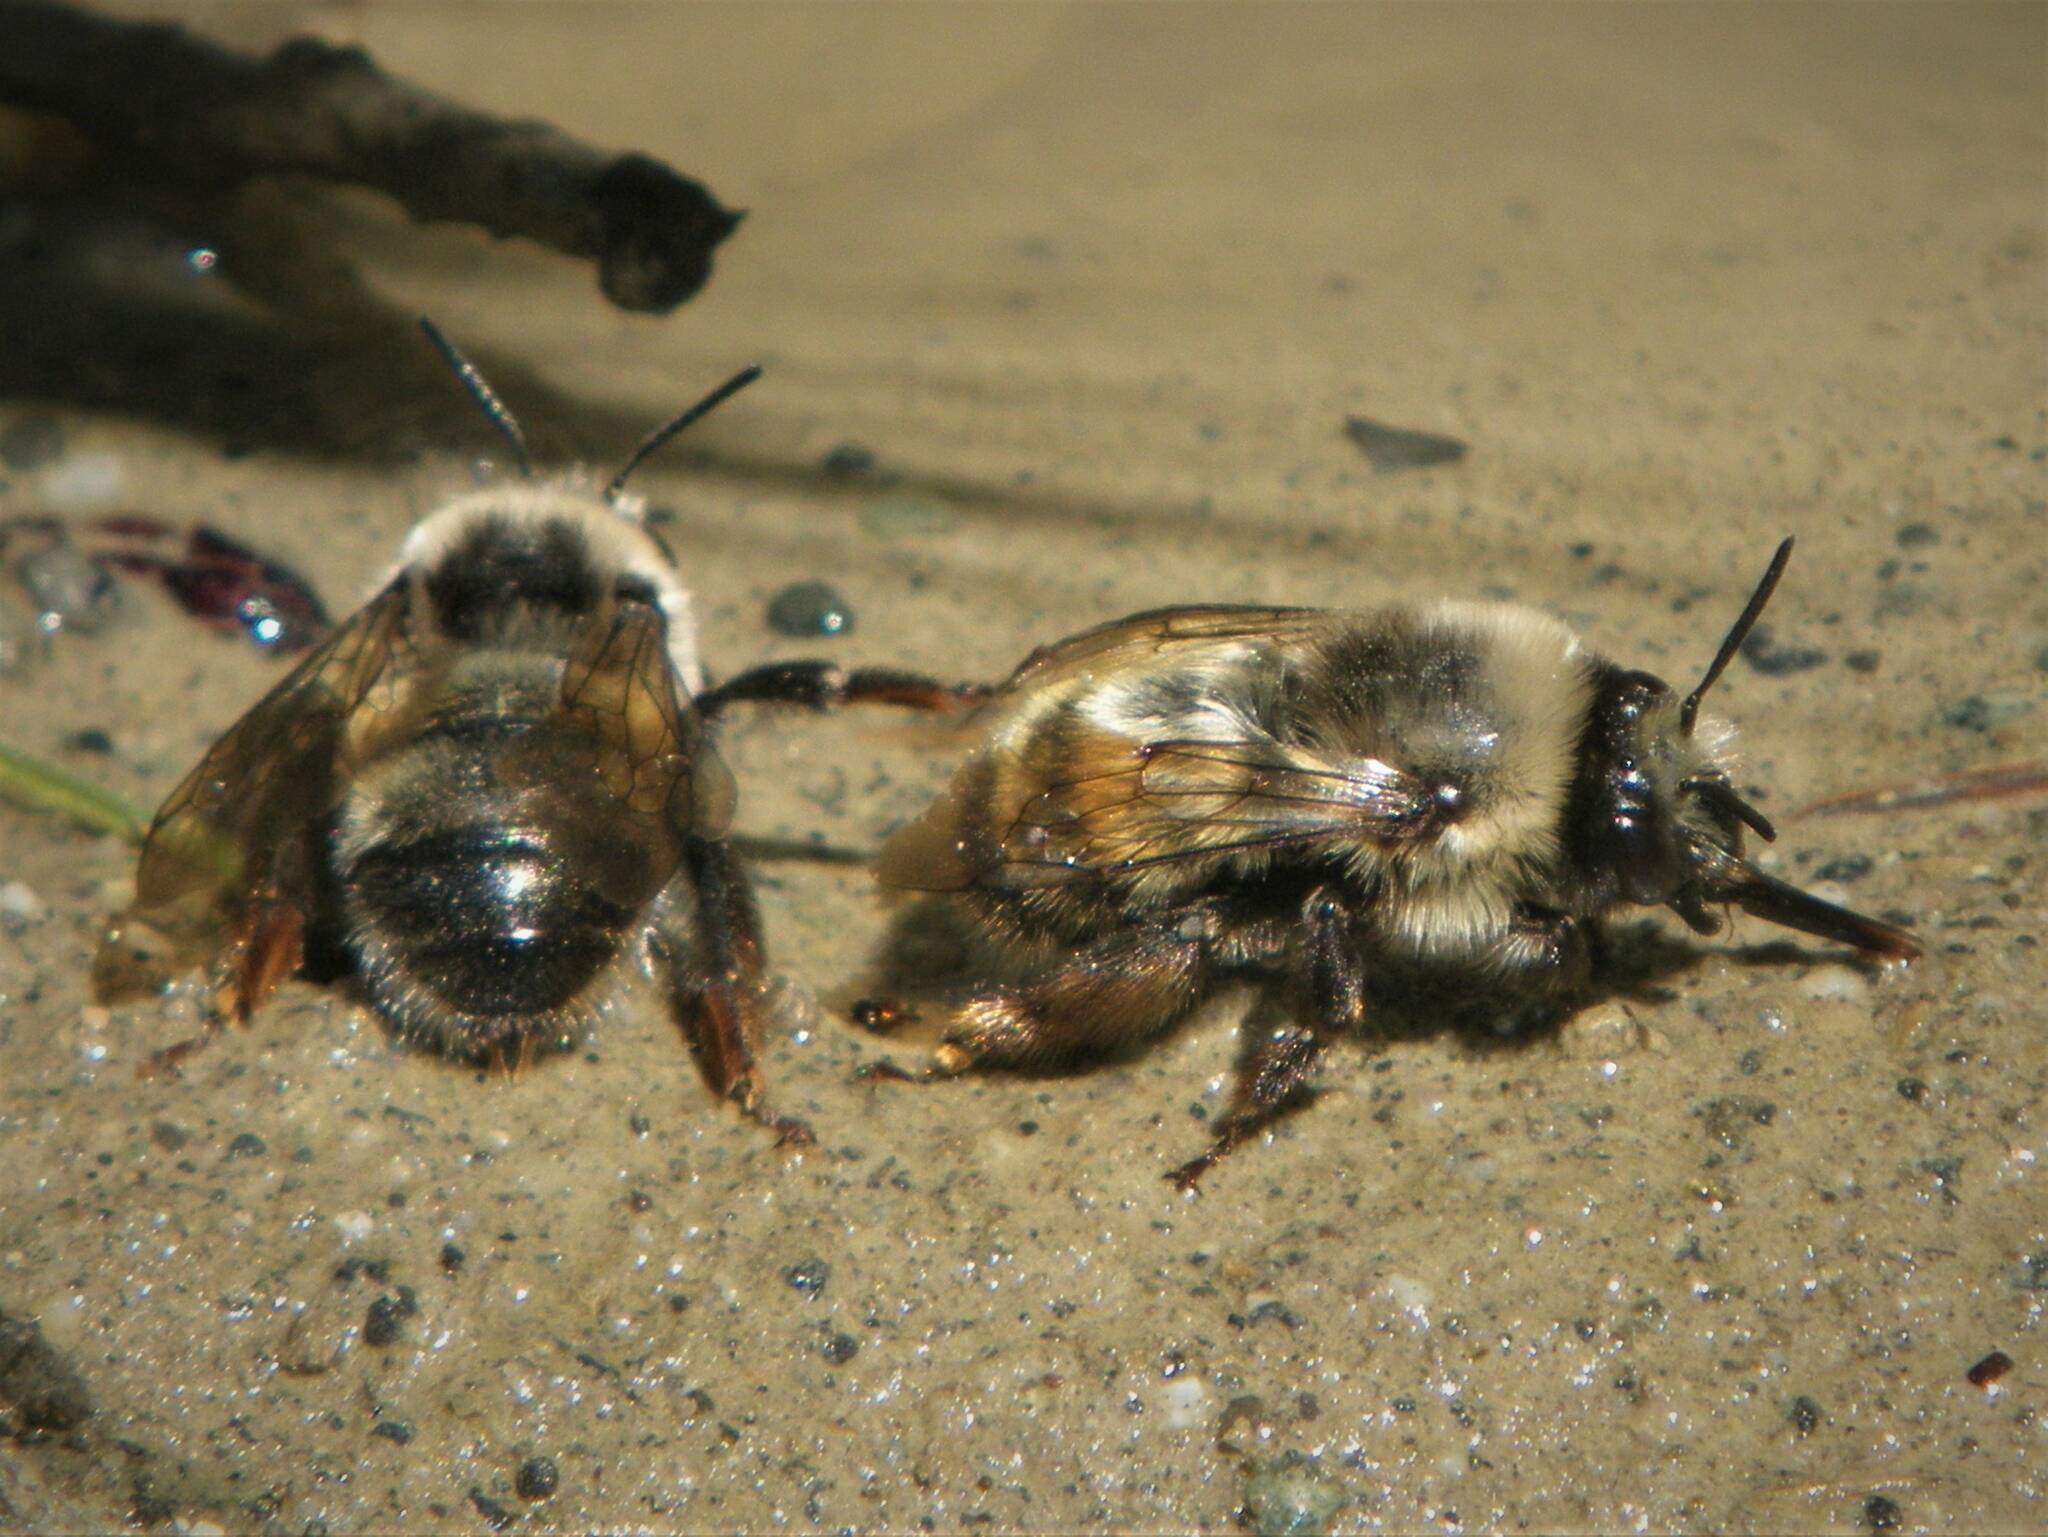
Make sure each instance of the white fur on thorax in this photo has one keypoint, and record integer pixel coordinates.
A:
(1457, 894)
(612, 530)
(1119, 704)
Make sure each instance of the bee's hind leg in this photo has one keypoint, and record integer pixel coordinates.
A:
(716, 987)
(1276, 1069)
(1116, 993)
(266, 949)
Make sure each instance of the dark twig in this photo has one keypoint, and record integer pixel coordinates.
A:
(208, 115)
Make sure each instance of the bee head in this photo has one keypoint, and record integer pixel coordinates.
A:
(1658, 820)
(1637, 803)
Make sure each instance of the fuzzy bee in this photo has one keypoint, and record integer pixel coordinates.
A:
(490, 792)
(1309, 799)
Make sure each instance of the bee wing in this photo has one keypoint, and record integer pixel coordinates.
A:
(621, 693)
(250, 808)
(1147, 636)
(1138, 805)
(1168, 802)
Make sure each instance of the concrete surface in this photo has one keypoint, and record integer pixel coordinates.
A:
(1098, 288)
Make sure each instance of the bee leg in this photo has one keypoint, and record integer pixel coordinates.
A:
(1113, 994)
(266, 949)
(1268, 1086)
(1276, 1070)
(717, 991)
(170, 1061)
(1548, 954)
(827, 686)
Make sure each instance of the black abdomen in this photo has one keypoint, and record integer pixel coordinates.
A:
(489, 880)
(486, 919)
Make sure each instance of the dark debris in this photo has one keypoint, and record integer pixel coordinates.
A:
(1389, 449)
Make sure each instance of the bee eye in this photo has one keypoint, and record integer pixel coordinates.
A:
(1626, 826)
(1635, 692)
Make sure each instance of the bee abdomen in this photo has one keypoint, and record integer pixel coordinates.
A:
(482, 921)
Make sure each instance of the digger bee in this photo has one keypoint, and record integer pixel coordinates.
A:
(1308, 799)
(491, 791)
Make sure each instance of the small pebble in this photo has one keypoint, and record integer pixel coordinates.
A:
(1186, 1400)
(91, 740)
(839, 1348)
(538, 1477)
(1985, 1373)
(847, 460)
(393, 1430)
(1291, 1497)
(1835, 983)
(809, 608)
(1388, 449)
(808, 1276)
(384, 1323)
(247, 1145)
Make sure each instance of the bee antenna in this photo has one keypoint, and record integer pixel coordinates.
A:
(1737, 634)
(658, 439)
(481, 392)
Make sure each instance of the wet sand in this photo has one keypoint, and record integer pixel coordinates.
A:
(1098, 288)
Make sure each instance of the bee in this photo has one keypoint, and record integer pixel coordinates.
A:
(1309, 799)
(493, 790)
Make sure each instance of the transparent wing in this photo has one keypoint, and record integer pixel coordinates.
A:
(1122, 807)
(1156, 632)
(249, 813)
(1170, 802)
(620, 691)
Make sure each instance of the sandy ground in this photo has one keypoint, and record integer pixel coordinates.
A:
(1098, 288)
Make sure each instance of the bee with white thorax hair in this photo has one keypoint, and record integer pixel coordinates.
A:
(490, 793)
(1305, 797)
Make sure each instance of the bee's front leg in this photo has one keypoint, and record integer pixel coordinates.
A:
(1545, 954)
